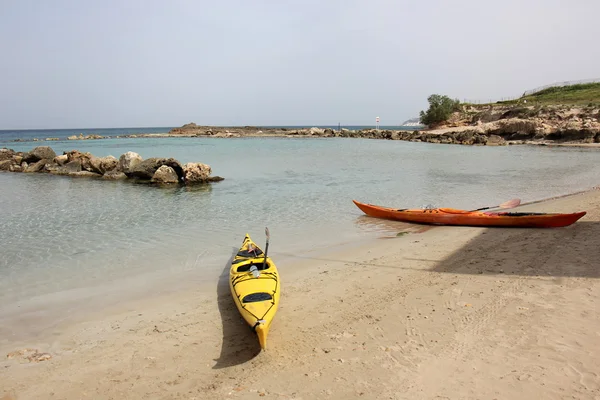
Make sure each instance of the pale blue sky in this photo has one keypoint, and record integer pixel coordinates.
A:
(130, 63)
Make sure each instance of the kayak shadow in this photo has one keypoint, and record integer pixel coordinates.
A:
(566, 252)
(240, 344)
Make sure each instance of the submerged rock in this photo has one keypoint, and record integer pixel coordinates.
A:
(114, 175)
(88, 174)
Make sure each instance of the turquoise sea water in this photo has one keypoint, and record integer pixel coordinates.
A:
(42, 134)
(70, 244)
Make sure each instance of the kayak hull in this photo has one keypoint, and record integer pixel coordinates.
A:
(450, 216)
(256, 297)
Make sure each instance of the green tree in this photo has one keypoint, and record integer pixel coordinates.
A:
(440, 109)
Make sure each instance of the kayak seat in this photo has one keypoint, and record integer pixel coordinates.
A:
(246, 253)
(246, 268)
(255, 297)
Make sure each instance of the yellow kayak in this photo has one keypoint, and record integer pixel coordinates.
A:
(255, 286)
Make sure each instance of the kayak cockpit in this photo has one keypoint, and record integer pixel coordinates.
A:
(259, 266)
(255, 297)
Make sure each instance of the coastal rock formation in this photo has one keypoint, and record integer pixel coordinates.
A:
(87, 137)
(528, 124)
(129, 165)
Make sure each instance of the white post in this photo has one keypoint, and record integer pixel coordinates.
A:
(376, 122)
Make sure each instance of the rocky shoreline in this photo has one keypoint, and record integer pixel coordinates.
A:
(490, 125)
(130, 165)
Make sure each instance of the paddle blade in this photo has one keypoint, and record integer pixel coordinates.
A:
(510, 203)
(267, 233)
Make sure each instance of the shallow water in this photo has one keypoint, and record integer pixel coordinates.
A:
(77, 242)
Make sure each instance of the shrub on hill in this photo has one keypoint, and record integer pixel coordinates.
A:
(440, 109)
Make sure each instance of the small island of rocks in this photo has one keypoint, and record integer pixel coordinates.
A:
(130, 165)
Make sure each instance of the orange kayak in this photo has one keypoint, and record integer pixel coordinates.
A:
(451, 216)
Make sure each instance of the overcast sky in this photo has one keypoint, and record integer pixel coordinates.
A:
(141, 63)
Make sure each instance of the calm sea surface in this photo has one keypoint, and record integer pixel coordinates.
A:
(68, 244)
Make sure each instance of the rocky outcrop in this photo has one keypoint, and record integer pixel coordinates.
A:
(129, 165)
(87, 137)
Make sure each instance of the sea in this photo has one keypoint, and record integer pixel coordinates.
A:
(70, 246)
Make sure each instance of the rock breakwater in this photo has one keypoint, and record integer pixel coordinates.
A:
(129, 165)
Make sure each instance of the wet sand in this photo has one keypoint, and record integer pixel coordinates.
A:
(437, 313)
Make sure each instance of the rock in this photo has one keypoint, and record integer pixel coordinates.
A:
(84, 174)
(316, 131)
(37, 166)
(61, 160)
(495, 140)
(114, 175)
(128, 160)
(17, 159)
(39, 153)
(165, 174)
(147, 168)
(101, 165)
(196, 172)
(83, 158)
(516, 128)
(6, 154)
(69, 168)
(6, 164)
(16, 168)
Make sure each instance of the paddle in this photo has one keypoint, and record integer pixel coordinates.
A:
(507, 204)
(266, 247)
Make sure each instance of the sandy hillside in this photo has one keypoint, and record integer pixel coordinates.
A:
(440, 313)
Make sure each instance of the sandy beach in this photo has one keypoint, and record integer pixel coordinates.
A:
(437, 313)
